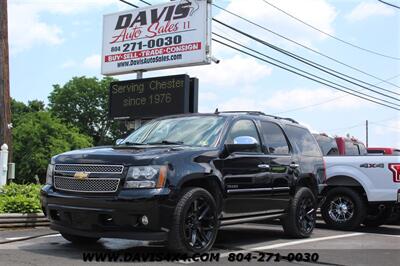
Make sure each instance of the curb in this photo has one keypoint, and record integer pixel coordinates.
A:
(12, 220)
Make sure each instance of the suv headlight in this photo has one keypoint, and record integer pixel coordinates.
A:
(151, 176)
(49, 174)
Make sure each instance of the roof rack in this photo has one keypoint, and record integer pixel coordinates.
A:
(257, 113)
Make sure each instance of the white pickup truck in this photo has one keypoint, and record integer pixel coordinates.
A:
(361, 189)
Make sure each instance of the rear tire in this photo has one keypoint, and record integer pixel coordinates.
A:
(301, 217)
(195, 222)
(343, 209)
(80, 239)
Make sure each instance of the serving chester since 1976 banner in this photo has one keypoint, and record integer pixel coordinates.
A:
(173, 34)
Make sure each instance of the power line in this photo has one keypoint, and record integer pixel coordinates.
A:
(363, 124)
(320, 103)
(343, 128)
(305, 76)
(395, 128)
(147, 3)
(315, 104)
(126, 2)
(389, 4)
(330, 35)
(319, 78)
(300, 70)
(304, 46)
(303, 60)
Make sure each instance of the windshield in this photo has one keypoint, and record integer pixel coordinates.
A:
(192, 131)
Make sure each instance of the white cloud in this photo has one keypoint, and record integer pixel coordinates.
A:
(318, 13)
(27, 27)
(284, 100)
(297, 98)
(384, 128)
(207, 96)
(68, 64)
(234, 71)
(366, 10)
(92, 62)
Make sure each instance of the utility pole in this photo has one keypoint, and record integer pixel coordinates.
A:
(366, 133)
(5, 108)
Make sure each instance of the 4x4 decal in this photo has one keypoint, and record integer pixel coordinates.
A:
(372, 165)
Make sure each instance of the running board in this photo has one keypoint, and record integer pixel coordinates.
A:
(249, 219)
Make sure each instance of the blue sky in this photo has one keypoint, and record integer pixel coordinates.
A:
(52, 41)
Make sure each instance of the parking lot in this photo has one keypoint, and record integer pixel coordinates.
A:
(378, 246)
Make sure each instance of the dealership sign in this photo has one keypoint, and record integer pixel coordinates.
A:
(153, 97)
(173, 34)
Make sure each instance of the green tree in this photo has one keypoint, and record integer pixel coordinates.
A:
(18, 109)
(83, 103)
(37, 137)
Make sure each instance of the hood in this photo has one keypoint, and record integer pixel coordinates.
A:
(126, 155)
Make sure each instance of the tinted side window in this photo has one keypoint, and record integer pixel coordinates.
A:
(274, 138)
(328, 145)
(243, 128)
(304, 141)
(351, 148)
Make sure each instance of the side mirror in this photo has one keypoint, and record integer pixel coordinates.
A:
(245, 140)
(243, 144)
(119, 141)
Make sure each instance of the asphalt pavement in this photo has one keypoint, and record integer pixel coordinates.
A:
(253, 244)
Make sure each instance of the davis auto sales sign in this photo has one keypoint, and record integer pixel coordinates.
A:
(169, 35)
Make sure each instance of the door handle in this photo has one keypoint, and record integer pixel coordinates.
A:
(264, 166)
(294, 165)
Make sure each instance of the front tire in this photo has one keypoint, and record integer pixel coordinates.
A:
(195, 222)
(343, 209)
(79, 239)
(301, 217)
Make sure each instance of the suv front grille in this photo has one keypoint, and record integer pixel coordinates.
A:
(100, 185)
(97, 179)
(90, 168)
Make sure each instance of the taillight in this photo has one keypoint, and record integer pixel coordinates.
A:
(325, 177)
(395, 168)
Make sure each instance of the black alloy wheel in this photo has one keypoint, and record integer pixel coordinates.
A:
(199, 224)
(306, 220)
(300, 219)
(195, 222)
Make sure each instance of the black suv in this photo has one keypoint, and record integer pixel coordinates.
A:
(180, 178)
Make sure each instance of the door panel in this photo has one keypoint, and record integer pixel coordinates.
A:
(248, 184)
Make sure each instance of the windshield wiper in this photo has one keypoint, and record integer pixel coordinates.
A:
(166, 142)
(132, 143)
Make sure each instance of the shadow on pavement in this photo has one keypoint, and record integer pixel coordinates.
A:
(229, 238)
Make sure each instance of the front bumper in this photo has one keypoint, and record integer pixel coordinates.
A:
(117, 216)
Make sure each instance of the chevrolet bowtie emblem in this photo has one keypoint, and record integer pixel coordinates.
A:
(81, 175)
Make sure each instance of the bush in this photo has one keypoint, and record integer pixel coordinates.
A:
(16, 198)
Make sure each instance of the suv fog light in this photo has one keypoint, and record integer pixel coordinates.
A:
(144, 220)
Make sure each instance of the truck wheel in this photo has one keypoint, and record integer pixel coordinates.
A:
(80, 239)
(301, 217)
(195, 222)
(377, 219)
(343, 209)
